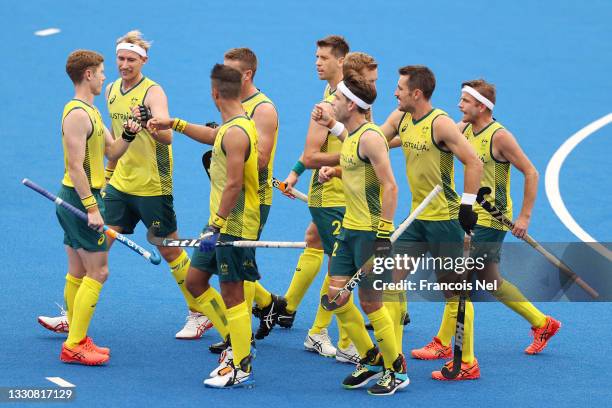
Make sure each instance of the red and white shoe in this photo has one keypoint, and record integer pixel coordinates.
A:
(58, 324)
(469, 371)
(195, 326)
(542, 334)
(432, 351)
(96, 348)
(83, 353)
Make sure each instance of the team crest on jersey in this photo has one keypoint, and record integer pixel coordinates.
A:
(425, 130)
(134, 101)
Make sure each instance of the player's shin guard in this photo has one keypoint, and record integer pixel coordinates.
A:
(249, 293)
(512, 297)
(323, 317)
(384, 333)
(447, 326)
(179, 268)
(210, 303)
(239, 322)
(307, 268)
(350, 317)
(70, 290)
(395, 302)
(84, 307)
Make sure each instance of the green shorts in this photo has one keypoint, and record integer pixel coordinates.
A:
(77, 234)
(125, 210)
(487, 243)
(439, 238)
(351, 251)
(328, 221)
(230, 263)
(264, 211)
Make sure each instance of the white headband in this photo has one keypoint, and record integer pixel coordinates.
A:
(132, 47)
(479, 97)
(347, 92)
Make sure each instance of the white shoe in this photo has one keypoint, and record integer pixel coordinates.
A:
(232, 377)
(195, 327)
(226, 357)
(320, 343)
(57, 324)
(348, 355)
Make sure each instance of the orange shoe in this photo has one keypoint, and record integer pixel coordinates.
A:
(83, 353)
(433, 351)
(542, 335)
(97, 349)
(469, 371)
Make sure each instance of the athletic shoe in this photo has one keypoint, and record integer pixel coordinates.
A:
(83, 353)
(432, 351)
(195, 326)
(57, 324)
(233, 377)
(348, 355)
(467, 372)
(217, 348)
(542, 335)
(406, 321)
(285, 318)
(320, 343)
(97, 349)
(392, 380)
(226, 357)
(268, 315)
(368, 369)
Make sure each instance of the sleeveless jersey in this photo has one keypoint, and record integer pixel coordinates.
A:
(243, 220)
(496, 174)
(427, 165)
(329, 194)
(265, 175)
(362, 190)
(146, 167)
(93, 164)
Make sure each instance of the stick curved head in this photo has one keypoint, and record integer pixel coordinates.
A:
(155, 258)
(484, 191)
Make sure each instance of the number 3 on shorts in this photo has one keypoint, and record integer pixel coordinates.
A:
(336, 225)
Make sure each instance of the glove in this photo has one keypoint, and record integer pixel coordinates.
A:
(212, 124)
(145, 114)
(467, 218)
(209, 238)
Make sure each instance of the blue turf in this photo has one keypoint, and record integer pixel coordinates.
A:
(550, 62)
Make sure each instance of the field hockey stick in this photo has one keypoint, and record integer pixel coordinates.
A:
(195, 242)
(152, 256)
(330, 304)
(206, 159)
(499, 216)
(282, 186)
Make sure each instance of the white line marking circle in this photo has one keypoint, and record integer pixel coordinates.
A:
(61, 382)
(46, 32)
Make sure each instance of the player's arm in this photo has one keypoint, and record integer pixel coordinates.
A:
(313, 157)
(266, 122)
(157, 102)
(111, 164)
(114, 149)
(76, 128)
(236, 146)
(200, 133)
(506, 148)
(390, 126)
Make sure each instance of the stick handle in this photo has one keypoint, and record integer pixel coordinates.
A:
(263, 244)
(153, 257)
(276, 183)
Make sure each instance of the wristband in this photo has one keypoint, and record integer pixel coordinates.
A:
(299, 168)
(218, 221)
(89, 202)
(179, 125)
(467, 198)
(128, 137)
(337, 129)
(385, 227)
(108, 173)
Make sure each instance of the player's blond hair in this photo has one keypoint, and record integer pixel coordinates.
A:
(246, 57)
(135, 37)
(357, 62)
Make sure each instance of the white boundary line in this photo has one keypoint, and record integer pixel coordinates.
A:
(552, 183)
(61, 382)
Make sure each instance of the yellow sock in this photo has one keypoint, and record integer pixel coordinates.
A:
(307, 268)
(323, 317)
(263, 298)
(84, 307)
(468, 333)
(384, 333)
(352, 320)
(395, 302)
(179, 268)
(210, 303)
(447, 326)
(70, 290)
(512, 297)
(249, 293)
(239, 322)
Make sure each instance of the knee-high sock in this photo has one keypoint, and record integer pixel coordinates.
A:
(447, 326)
(210, 303)
(84, 307)
(249, 293)
(395, 302)
(70, 290)
(384, 333)
(450, 321)
(179, 268)
(239, 322)
(349, 316)
(263, 298)
(512, 297)
(307, 268)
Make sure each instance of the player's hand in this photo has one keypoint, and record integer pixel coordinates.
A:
(142, 113)
(520, 227)
(209, 238)
(326, 173)
(290, 182)
(323, 114)
(132, 127)
(156, 124)
(467, 218)
(94, 219)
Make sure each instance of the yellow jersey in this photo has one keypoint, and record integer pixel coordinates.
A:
(362, 189)
(265, 175)
(427, 164)
(496, 174)
(93, 164)
(146, 167)
(243, 220)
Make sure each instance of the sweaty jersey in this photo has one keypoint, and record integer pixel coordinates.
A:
(427, 164)
(362, 190)
(243, 220)
(146, 167)
(265, 176)
(93, 164)
(329, 194)
(496, 174)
